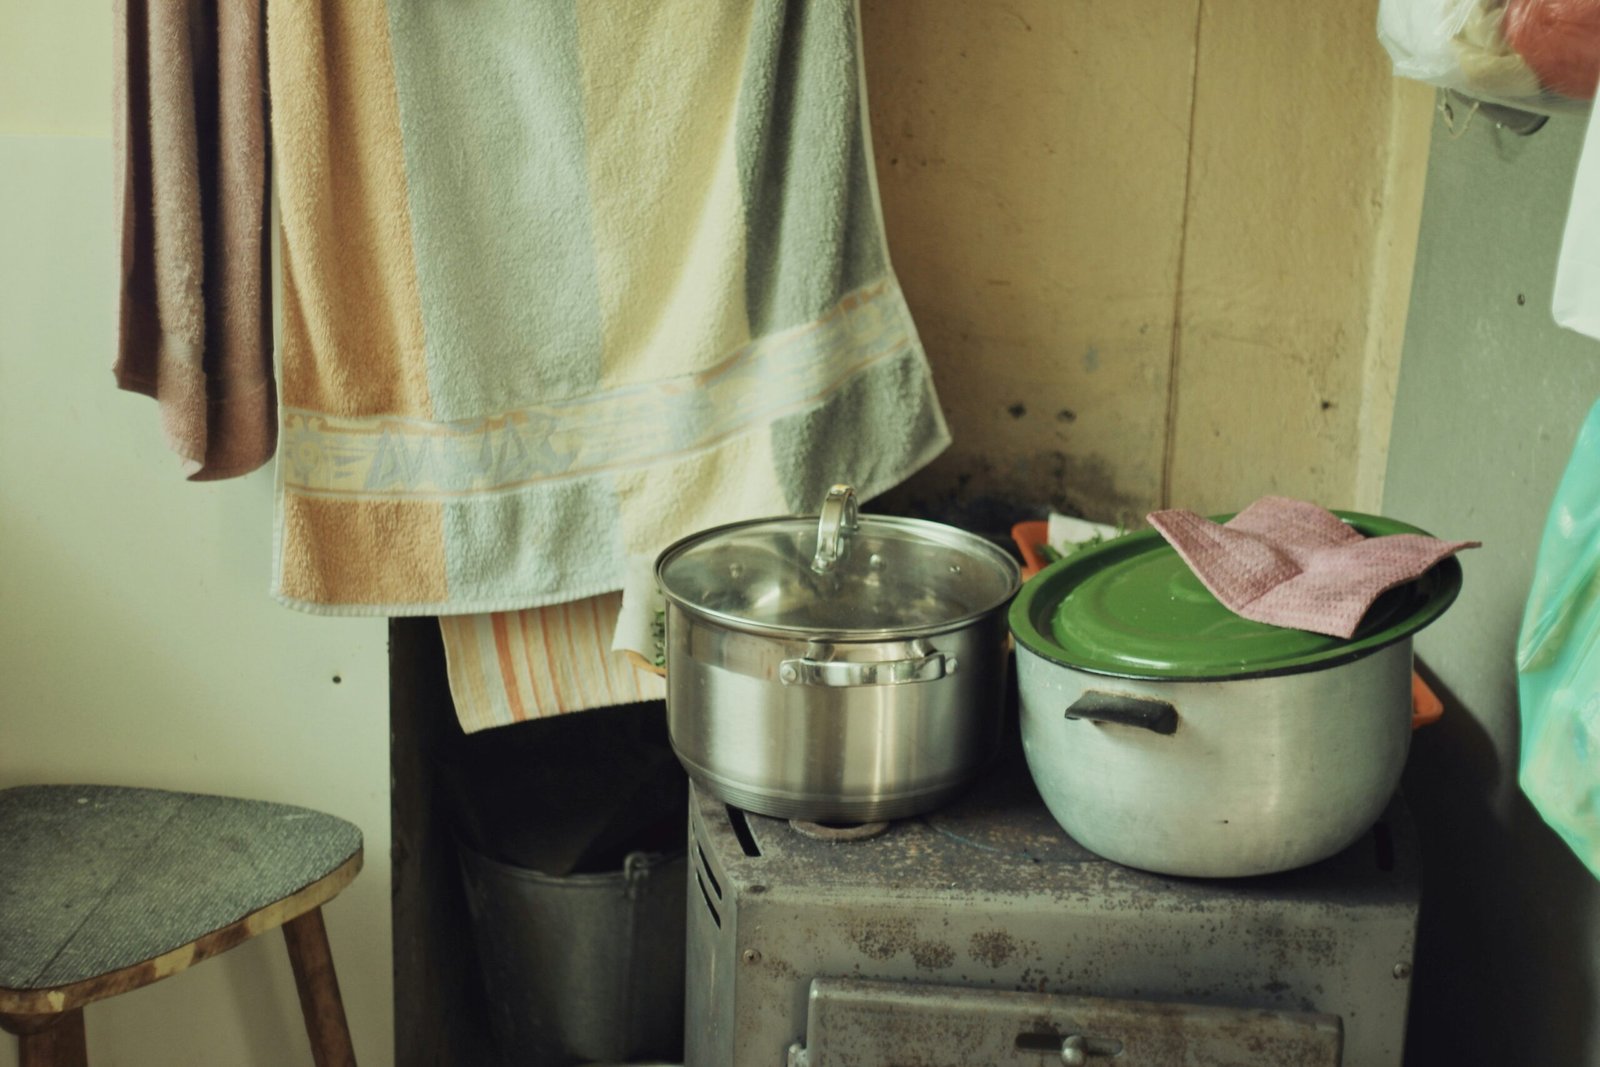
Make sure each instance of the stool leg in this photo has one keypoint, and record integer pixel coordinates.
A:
(49, 1040)
(320, 1003)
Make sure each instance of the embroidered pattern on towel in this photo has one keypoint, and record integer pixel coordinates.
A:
(386, 457)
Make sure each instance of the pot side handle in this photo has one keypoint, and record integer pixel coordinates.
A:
(929, 665)
(1157, 716)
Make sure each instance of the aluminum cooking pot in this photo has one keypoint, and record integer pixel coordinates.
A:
(1167, 733)
(838, 667)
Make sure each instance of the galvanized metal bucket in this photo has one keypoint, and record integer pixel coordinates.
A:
(584, 967)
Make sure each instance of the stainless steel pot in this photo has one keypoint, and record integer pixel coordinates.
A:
(1166, 733)
(840, 668)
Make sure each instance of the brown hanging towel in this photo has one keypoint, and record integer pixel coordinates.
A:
(194, 325)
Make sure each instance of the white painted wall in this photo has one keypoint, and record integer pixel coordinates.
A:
(138, 644)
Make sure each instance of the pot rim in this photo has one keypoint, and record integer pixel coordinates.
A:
(951, 536)
(1023, 616)
(1340, 660)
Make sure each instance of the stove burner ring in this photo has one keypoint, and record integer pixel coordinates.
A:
(854, 831)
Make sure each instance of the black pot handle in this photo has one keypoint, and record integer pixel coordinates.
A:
(1157, 716)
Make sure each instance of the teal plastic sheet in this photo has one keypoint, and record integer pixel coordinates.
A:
(1558, 658)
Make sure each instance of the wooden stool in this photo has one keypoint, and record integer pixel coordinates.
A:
(106, 889)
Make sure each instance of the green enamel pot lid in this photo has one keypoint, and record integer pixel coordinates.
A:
(1132, 608)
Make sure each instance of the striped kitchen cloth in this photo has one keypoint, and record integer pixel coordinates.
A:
(508, 667)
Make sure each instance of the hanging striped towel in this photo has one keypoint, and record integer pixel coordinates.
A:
(564, 282)
(508, 667)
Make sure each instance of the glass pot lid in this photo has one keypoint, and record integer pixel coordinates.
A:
(838, 575)
(1132, 608)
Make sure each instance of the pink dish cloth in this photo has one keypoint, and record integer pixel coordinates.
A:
(1289, 563)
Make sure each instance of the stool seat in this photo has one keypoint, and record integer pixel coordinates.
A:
(105, 889)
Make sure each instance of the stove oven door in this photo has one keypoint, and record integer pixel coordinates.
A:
(886, 1024)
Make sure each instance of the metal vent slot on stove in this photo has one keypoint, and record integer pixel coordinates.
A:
(705, 865)
(741, 829)
(712, 908)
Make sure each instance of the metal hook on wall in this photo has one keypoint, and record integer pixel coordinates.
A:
(1517, 121)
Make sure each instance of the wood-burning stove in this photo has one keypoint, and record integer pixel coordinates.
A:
(982, 933)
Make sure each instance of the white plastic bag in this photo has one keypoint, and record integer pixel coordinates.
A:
(1418, 36)
(1576, 304)
(1464, 45)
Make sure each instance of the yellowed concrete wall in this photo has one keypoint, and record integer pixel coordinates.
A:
(1158, 250)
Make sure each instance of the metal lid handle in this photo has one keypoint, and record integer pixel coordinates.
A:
(838, 520)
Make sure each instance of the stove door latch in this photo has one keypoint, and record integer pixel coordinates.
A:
(1076, 1049)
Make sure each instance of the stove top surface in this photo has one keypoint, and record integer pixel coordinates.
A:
(999, 838)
